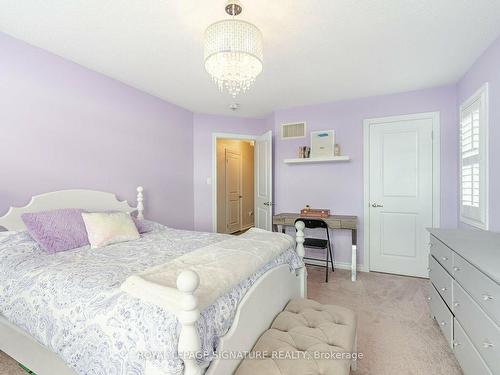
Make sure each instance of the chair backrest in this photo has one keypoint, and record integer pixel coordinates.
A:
(313, 223)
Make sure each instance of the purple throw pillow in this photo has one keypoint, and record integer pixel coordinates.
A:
(57, 230)
(141, 226)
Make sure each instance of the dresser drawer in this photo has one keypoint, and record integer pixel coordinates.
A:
(432, 298)
(482, 289)
(442, 253)
(441, 280)
(441, 313)
(483, 332)
(468, 357)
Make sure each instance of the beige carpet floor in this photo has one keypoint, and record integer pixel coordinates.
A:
(395, 333)
(8, 366)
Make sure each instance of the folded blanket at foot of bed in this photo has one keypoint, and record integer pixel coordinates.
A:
(220, 267)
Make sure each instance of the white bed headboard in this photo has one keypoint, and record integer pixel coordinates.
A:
(90, 200)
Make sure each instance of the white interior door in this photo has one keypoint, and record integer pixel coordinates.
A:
(233, 191)
(401, 200)
(264, 181)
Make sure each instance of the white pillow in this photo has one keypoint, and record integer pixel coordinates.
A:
(105, 228)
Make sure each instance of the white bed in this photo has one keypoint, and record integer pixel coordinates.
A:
(255, 311)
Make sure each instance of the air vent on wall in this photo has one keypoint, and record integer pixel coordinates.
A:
(294, 130)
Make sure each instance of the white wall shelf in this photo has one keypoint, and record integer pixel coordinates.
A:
(317, 160)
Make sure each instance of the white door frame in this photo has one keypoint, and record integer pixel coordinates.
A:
(436, 171)
(215, 137)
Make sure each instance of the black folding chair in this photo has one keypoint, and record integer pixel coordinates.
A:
(318, 243)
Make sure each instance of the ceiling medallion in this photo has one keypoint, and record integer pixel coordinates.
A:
(233, 51)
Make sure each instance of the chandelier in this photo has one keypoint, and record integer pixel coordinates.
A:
(233, 51)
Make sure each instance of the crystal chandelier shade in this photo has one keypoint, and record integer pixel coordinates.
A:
(233, 54)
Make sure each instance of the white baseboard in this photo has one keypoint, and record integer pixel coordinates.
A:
(339, 265)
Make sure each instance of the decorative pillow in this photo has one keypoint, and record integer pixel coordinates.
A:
(57, 230)
(146, 226)
(108, 228)
(142, 225)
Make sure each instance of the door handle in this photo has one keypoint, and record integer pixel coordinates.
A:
(487, 297)
(375, 205)
(487, 345)
(268, 203)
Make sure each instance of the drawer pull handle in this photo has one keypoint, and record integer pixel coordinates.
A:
(456, 269)
(429, 298)
(444, 258)
(456, 304)
(456, 343)
(443, 323)
(431, 245)
(443, 289)
(487, 297)
(487, 345)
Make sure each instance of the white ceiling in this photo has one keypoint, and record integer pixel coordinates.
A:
(315, 50)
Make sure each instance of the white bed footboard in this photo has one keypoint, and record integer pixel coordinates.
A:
(189, 346)
(299, 239)
(256, 312)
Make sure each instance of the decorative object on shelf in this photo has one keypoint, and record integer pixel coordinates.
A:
(314, 212)
(233, 51)
(322, 143)
(304, 152)
(310, 160)
(336, 151)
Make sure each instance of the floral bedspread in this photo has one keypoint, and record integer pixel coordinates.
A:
(71, 303)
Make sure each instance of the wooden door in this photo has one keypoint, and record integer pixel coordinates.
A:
(233, 191)
(401, 199)
(263, 181)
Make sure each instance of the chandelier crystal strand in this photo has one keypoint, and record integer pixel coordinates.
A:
(233, 54)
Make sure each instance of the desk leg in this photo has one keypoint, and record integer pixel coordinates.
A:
(354, 255)
(276, 228)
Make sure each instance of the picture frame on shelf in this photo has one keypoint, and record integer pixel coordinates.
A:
(322, 143)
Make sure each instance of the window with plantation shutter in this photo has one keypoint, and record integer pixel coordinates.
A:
(474, 159)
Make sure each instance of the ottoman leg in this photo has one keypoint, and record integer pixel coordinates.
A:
(354, 361)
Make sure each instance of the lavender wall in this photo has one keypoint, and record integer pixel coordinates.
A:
(204, 127)
(339, 186)
(487, 69)
(63, 126)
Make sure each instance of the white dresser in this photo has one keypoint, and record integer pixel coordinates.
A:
(464, 296)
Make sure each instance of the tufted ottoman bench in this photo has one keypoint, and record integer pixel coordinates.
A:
(307, 338)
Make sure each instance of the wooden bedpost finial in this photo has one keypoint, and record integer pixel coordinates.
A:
(189, 342)
(299, 238)
(140, 202)
(302, 272)
(188, 281)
